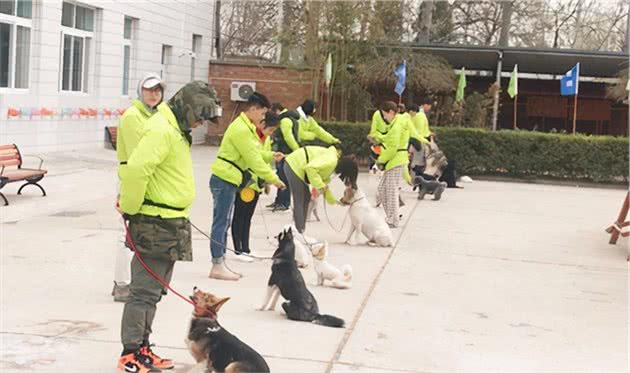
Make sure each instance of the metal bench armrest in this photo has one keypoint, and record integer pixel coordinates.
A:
(41, 160)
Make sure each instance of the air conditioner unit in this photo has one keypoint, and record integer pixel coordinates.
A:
(240, 91)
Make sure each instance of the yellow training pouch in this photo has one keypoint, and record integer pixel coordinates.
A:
(247, 194)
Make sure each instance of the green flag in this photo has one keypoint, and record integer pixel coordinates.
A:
(459, 96)
(328, 70)
(513, 86)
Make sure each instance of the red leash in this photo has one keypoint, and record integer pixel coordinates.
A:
(148, 269)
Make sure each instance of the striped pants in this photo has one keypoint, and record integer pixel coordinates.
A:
(388, 192)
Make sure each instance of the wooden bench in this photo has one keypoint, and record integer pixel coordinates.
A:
(9, 157)
(110, 137)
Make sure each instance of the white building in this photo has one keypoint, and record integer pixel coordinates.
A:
(68, 68)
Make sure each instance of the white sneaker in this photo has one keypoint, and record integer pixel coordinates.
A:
(243, 258)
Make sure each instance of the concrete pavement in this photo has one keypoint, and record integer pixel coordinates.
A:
(497, 277)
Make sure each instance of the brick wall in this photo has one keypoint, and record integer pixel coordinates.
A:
(289, 86)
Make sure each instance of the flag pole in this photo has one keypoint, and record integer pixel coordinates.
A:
(399, 99)
(574, 112)
(515, 108)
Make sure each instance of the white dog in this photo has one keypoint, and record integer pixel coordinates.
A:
(302, 254)
(365, 219)
(337, 278)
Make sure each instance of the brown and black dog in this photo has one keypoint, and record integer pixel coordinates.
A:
(209, 341)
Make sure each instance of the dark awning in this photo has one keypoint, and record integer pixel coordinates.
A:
(538, 61)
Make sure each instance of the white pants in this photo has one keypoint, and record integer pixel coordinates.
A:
(122, 271)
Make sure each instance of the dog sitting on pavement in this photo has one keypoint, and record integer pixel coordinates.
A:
(326, 272)
(213, 346)
(365, 219)
(286, 280)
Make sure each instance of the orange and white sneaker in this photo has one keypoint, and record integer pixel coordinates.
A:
(135, 362)
(155, 360)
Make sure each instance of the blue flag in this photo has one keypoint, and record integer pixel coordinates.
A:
(569, 82)
(401, 73)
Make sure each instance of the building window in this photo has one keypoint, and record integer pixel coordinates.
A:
(128, 31)
(167, 52)
(20, 8)
(77, 36)
(15, 43)
(196, 49)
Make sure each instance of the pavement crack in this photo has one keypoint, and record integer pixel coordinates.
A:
(355, 320)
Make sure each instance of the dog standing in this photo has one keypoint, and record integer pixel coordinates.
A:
(337, 278)
(286, 280)
(210, 344)
(365, 219)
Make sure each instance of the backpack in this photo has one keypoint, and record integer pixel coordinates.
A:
(279, 144)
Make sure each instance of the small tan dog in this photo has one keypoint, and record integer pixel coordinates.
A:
(337, 278)
(213, 347)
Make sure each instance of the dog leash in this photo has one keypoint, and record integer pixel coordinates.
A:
(344, 219)
(149, 270)
(227, 248)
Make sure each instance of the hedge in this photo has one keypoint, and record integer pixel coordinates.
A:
(515, 153)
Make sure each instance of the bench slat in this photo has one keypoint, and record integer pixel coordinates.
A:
(15, 162)
(9, 157)
(9, 146)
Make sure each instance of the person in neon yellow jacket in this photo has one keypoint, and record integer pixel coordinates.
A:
(130, 129)
(393, 160)
(157, 189)
(313, 166)
(246, 201)
(420, 120)
(238, 158)
(309, 130)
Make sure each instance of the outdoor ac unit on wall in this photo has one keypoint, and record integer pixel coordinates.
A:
(240, 91)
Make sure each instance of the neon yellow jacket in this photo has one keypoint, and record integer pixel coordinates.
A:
(286, 127)
(310, 130)
(395, 144)
(160, 169)
(379, 127)
(241, 145)
(130, 129)
(267, 154)
(320, 166)
(421, 123)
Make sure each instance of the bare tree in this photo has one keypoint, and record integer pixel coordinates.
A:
(425, 21)
(506, 22)
(248, 28)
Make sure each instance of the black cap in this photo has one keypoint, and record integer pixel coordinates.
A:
(271, 120)
(309, 107)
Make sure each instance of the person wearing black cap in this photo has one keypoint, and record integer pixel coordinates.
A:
(309, 129)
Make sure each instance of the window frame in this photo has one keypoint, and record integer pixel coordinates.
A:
(14, 21)
(195, 52)
(130, 42)
(88, 46)
(165, 60)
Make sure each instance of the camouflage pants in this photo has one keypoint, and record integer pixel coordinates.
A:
(145, 292)
(160, 242)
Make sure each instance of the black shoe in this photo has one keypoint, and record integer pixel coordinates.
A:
(272, 205)
(279, 208)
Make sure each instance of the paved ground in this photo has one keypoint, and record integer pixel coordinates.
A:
(496, 277)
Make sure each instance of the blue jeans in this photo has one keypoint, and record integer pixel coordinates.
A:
(223, 194)
(283, 197)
